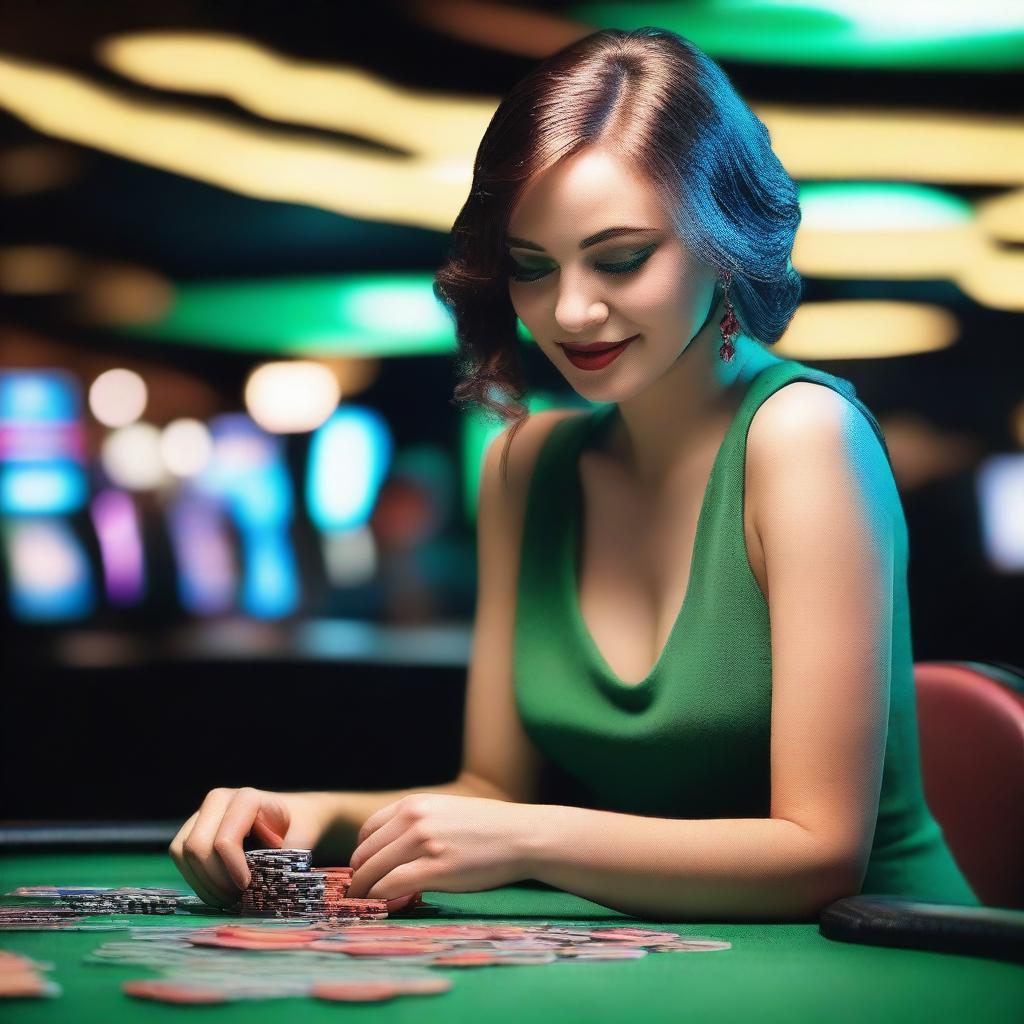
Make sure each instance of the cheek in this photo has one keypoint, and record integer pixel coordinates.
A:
(663, 291)
(528, 307)
(518, 296)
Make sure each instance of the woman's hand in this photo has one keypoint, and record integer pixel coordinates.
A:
(208, 848)
(440, 842)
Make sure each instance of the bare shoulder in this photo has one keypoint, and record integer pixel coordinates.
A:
(795, 407)
(806, 433)
(811, 416)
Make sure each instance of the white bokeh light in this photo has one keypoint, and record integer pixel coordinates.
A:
(118, 397)
(43, 559)
(186, 447)
(291, 397)
(131, 457)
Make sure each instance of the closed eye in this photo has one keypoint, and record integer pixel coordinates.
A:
(524, 274)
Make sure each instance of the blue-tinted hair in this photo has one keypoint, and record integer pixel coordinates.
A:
(666, 109)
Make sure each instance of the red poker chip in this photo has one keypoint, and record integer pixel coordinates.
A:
(174, 992)
(358, 931)
(455, 931)
(295, 936)
(354, 991)
(380, 948)
(227, 942)
(466, 960)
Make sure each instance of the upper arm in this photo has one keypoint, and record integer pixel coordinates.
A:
(824, 514)
(497, 753)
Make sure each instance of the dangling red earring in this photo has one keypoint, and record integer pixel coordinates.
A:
(730, 325)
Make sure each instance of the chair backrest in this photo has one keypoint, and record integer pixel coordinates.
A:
(971, 723)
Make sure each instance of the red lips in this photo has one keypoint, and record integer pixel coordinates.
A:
(596, 358)
(595, 347)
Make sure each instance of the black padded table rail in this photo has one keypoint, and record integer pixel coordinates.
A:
(914, 924)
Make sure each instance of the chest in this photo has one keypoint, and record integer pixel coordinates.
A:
(636, 556)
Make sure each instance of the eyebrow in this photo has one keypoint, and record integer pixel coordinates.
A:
(601, 236)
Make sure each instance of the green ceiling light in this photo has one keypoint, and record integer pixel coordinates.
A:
(954, 34)
(870, 206)
(358, 315)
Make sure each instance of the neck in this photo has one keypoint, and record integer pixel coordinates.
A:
(663, 427)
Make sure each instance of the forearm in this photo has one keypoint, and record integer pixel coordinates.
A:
(342, 813)
(685, 869)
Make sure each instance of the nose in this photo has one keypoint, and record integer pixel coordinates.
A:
(578, 305)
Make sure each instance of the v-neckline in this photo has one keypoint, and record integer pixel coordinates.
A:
(597, 422)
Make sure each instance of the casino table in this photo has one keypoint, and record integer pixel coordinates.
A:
(773, 972)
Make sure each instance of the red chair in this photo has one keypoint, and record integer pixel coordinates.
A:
(971, 724)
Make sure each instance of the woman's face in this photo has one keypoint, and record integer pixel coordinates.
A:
(643, 283)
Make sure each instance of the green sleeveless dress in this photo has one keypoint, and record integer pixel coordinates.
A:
(692, 739)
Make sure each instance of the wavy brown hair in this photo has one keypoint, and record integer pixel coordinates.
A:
(663, 106)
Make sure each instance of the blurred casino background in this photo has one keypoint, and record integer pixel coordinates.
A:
(238, 504)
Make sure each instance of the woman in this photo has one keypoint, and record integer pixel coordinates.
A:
(692, 618)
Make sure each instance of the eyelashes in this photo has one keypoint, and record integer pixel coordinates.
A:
(635, 262)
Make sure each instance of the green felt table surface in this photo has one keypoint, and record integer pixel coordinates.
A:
(773, 972)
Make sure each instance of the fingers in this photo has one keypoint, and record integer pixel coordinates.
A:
(246, 806)
(199, 847)
(376, 841)
(208, 897)
(375, 833)
(176, 850)
(375, 820)
(407, 875)
(391, 845)
(265, 835)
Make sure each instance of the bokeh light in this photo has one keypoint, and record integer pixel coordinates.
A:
(348, 460)
(186, 447)
(50, 577)
(291, 397)
(118, 397)
(131, 457)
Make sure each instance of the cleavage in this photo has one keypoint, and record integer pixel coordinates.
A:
(633, 567)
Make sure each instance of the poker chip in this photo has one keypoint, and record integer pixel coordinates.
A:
(601, 951)
(295, 936)
(306, 938)
(359, 961)
(355, 991)
(175, 992)
(376, 991)
(228, 942)
(91, 899)
(380, 947)
(283, 883)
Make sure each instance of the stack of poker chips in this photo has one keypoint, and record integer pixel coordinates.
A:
(104, 899)
(127, 901)
(336, 884)
(283, 883)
